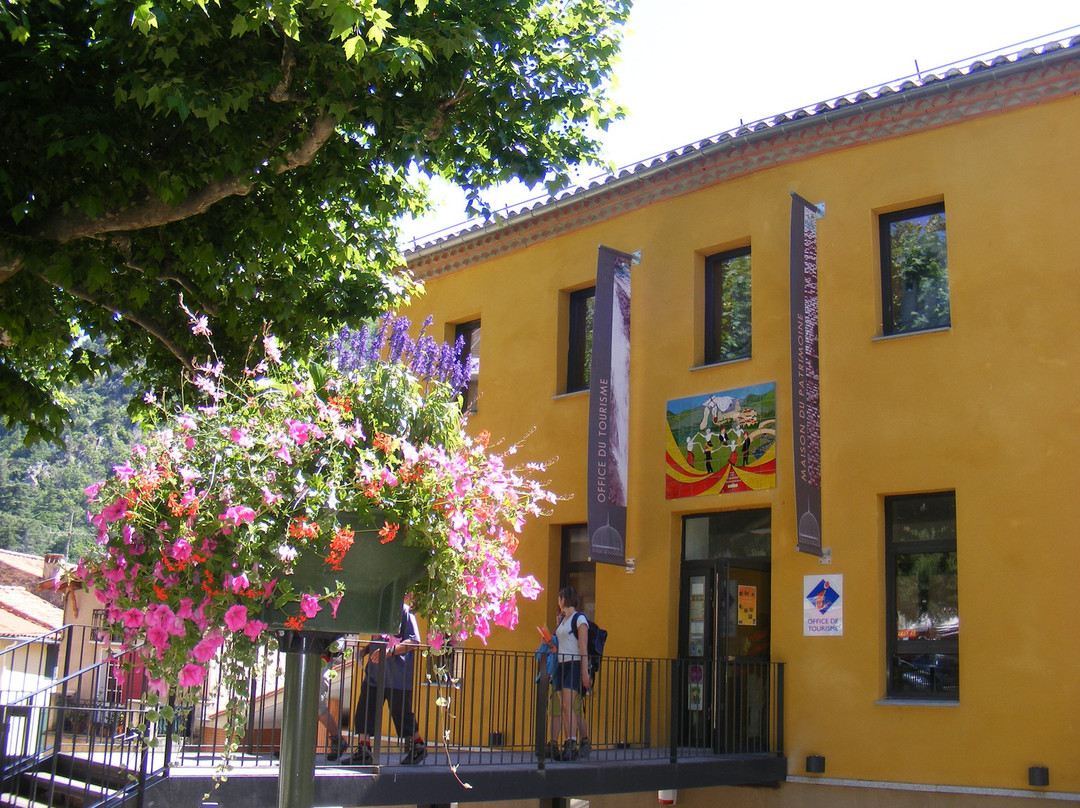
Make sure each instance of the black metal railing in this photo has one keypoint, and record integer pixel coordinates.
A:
(64, 699)
(482, 706)
(70, 730)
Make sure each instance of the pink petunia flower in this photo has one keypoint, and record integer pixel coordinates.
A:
(309, 605)
(192, 675)
(236, 617)
(238, 514)
(208, 646)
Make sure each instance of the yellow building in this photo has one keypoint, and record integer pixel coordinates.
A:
(947, 292)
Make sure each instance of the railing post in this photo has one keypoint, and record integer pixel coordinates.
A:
(780, 708)
(540, 713)
(140, 797)
(647, 706)
(676, 709)
(380, 698)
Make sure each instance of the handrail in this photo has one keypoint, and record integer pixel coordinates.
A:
(71, 720)
(479, 706)
(11, 649)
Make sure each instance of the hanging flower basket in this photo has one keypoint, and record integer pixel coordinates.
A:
(312, 497)
(377, 576)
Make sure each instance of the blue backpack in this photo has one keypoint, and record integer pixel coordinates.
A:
(596, 642)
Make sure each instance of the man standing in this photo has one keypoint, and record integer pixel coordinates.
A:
(391, 660)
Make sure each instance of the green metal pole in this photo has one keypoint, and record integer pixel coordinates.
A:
(299, 725)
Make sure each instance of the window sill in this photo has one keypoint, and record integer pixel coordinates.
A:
(571, 394)
(901, 702)
(720, 364)
(883, 337)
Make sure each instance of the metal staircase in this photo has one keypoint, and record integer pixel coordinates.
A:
(61, 744)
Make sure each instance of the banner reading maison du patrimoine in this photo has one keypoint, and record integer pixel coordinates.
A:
(609, 402)
(805, 387)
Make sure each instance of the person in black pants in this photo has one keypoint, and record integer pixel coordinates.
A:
(392, 659)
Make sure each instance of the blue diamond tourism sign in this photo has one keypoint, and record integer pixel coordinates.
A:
(823, 605)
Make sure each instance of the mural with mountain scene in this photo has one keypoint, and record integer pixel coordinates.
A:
(719, 443)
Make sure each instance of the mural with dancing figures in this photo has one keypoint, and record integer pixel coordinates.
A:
(719, 443)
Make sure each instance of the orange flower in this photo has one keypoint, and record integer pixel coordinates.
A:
(342, 404)
(388, 532)
(339, 545)
(301, 528)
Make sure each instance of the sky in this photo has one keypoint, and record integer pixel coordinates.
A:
(691, 69)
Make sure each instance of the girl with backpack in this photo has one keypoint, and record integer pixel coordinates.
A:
(572, 674)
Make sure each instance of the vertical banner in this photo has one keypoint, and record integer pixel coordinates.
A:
(609, 408)
(805, 391)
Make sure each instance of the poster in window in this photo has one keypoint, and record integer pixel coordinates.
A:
(721, 443)
(747, 605)
(695, 697)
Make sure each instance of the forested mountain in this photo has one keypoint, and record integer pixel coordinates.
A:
(42, 504)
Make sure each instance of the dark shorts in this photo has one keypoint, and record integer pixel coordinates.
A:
(568, 676)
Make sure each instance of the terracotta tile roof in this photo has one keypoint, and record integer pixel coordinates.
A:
(13, 627)
(28, 571)
(18, 606)
(931, 81)
(23, 566)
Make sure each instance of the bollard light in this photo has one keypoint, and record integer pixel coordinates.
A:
(1038, 776)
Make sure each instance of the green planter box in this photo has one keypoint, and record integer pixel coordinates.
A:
(376, 578)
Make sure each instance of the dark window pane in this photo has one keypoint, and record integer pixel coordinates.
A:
(577, 543)
(727, 306)
(925, 518)
(926, 601)
(579, 356)
(926, 675)
(576, 569)
(728, 534)
(923, 617)
(469, 333)
(915, 270)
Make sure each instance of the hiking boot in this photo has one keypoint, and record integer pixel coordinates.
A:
(585, 748)
(361, 757)
(553, 751)
(570, 750)
(338, 747)
(417, 752)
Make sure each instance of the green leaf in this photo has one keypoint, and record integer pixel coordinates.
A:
(355, 47)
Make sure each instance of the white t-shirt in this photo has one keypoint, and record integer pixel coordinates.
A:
(568, 641)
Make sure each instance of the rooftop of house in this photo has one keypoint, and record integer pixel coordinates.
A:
(17, 568)
(23, 614)
(932, 80)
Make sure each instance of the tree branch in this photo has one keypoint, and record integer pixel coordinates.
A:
(281, 93)
(122, 242)
(147, 324)
(155, 213)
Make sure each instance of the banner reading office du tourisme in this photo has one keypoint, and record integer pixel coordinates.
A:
(609, 408)
(805, 384)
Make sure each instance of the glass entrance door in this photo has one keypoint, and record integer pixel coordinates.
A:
(724, 654)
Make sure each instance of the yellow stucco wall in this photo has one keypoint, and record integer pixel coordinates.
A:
(988, 408)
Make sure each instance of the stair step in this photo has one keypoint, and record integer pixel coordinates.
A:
(19, 801)
(76, 792)
(109, 774)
